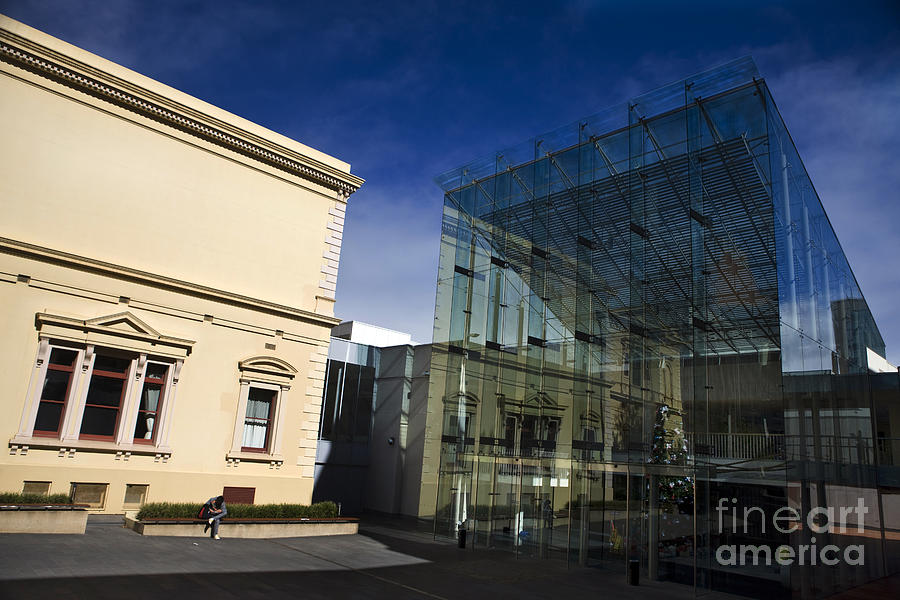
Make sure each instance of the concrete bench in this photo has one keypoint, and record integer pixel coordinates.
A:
(43, 518)
(246, 528)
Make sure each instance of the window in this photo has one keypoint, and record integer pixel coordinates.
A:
(264, 383)
(334, 384)
(509, 436)
(149, 404)
(55, 391)
(104, 398)
(135, 495)
(347, 407)
(620, 486)
(36, 487)
(258, 421)
(92, 494)
(101, 384)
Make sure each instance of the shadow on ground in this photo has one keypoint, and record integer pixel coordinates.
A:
(110, 562)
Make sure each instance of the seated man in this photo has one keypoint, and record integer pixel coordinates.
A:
(213, 511)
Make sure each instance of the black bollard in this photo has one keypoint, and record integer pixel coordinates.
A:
(462, 537)
(634, 571)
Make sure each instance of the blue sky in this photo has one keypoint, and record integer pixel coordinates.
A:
(406, 90)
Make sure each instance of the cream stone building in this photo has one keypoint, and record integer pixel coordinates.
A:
(167, 282)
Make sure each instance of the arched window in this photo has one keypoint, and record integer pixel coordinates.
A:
(264, 383)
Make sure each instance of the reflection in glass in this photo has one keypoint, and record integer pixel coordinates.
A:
(640, 315)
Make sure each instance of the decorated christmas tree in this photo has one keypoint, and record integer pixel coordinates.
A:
(669, 447)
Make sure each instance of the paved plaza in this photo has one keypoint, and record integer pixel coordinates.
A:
(382, 561)
(109, 561)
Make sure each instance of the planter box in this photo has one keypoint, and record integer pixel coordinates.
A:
(43, 519)
(246, 528)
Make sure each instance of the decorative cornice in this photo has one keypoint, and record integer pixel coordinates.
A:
(307, 168)
(126, 318)
(268, 365)
(96, 325)
(43, 254)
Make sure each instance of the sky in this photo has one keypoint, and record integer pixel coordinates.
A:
(407, 90)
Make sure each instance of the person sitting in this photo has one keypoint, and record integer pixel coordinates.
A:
(213, 511)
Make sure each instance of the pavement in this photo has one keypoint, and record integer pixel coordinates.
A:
(382, 561)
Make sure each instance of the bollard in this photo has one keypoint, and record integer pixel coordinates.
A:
(634, 571)
(462, 536)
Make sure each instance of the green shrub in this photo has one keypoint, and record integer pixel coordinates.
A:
(18, 498)
(169, 510)
(188, 510)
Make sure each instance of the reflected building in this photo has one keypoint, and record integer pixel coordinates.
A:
(644, 317)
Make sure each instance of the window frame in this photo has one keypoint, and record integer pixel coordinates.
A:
(66, 401)
(104, 486)
(122, 335)
(133, 505)
(269, 418)
(266, 372)
(124, 394)
(47, 484)
(163, 393)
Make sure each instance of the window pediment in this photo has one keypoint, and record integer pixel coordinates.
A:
(267, 368)
(542, 401)
(123, 321)
(120, 330)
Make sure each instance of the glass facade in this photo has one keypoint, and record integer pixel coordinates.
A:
(648, 341)
(342, 451)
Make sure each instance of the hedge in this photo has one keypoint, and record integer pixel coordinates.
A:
(189, 510)
(18, 498)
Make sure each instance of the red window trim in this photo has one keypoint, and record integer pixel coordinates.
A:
(111, 375)
(66, 369)
(274, 399)
(161, 381)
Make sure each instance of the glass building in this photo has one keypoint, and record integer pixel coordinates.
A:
(648, 341)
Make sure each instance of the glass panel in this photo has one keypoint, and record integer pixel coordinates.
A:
(256, 424)
(111, 364)
(347, 407)
(255, 434)
(147, 413)
(99, 421)
(156, 371)
(333, 387)
(364, 404)
(259, 403)
(105, 391)
(101, 412)
(48, 417)
(56, 385)
(62, 357)
(150, 397)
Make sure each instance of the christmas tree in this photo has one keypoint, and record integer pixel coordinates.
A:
(669, 447)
